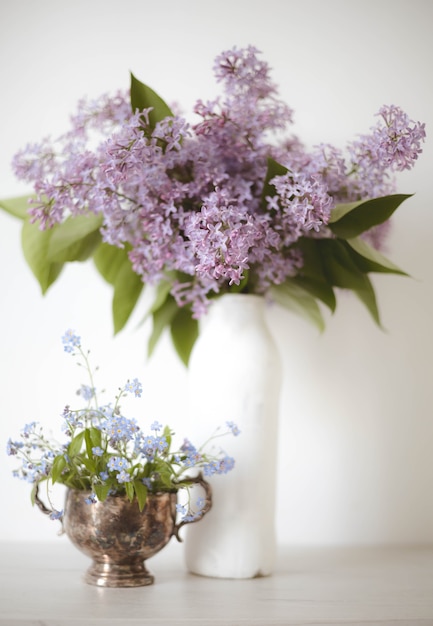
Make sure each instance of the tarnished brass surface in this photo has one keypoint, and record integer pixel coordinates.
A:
(118, 537)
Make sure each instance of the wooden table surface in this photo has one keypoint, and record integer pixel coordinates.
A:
(41, 585)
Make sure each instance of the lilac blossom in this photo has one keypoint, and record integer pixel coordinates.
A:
(188, 200)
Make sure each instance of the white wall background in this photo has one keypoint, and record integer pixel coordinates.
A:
(356, 446)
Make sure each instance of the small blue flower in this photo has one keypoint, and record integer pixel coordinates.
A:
(147, 481)
(123, 477)
(226, 465)
(103, 476)
(134, 387)
(211, 468)
(180, 508)
(119, 428)
(12, 447)
(155, 426)
(70, 341)
(116, 463)
(86, 392)
(91, 499)
(56, 514)
(233, 427)
(161, 443)
(29, 429)
(149, 446)
(97, 451)
(201, 502)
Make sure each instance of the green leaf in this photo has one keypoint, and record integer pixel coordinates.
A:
(57, 468)
(115, 267)
(18, 207)
(274, 169)
(129, 488)
(141, 493)
(108, 261)
(74, 447)
(184, 332)
(143, 97)
(35, 244)
(89, 464)
(350, 220)
(162, 291)
(127, 289)
(89, 443)
(95, 436)
(293, 297)
(312, 277)
(370, 260)
(320, 289)
(342, 271)
(312, 266)
(101, 491)
(75, 239)
(167, 433)
(161, 319)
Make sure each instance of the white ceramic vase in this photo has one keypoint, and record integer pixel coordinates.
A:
(235, 375)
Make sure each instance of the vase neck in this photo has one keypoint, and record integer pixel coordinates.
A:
(236, 308)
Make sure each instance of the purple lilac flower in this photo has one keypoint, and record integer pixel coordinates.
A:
(188, 200)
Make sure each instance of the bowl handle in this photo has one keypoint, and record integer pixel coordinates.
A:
(46, 511)
(198, 480)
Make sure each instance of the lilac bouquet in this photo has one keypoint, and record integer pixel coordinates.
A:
(107, 453)
(230, 201)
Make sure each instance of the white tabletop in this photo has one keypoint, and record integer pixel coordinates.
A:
(41, 585)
